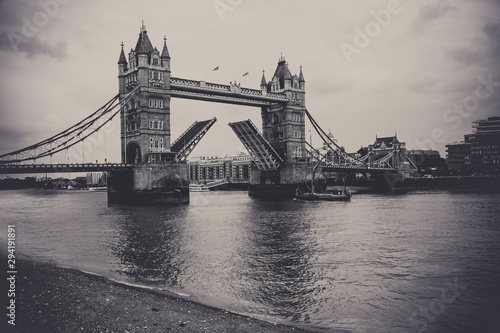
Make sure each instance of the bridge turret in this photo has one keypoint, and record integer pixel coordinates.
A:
(263, 82)
(122, 69)
(301, 79)
(122, 61)
(287, 78)
(165, 56)
(302, 86)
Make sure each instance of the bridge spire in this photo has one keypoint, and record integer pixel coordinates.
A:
(263, 82)
(123, 59)
(164, 53)
(301, 76)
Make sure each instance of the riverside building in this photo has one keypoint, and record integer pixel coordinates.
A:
(234, 169)
(479, 153)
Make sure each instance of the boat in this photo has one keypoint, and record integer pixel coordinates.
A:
(98, 189)
(344, 195)
(197, 188)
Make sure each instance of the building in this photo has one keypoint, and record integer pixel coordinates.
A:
(427, 162)
(234, 169)
(479, 152)
(96, 179)
(145, 119)
(284, 127)
(386, 150)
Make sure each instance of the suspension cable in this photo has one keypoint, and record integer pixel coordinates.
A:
(72, 135)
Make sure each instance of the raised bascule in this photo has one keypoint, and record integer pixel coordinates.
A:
(154, 170)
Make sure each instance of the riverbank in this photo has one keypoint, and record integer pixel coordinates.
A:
(55, 299)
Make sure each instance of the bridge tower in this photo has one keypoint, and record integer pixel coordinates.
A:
(145, 120)
(283, 125)
(145, 131)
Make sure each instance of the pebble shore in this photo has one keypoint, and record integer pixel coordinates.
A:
(54, 299)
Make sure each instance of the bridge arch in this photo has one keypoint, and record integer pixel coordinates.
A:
(133, 153)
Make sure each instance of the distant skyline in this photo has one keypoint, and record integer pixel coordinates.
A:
(422, 69)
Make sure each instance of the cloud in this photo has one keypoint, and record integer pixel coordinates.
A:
(429, 13)
(15, 42)
(464, 56)
(21, 28)
(492, 31)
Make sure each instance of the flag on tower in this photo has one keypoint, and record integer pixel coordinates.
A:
(216, 68)
(245, 74)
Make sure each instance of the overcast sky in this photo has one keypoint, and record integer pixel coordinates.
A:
(371, 67)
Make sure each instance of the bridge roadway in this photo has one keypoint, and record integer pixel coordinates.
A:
(61, 168)
(91, 167)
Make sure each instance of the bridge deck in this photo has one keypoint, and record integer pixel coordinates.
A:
(355, 168)
(214, 92)
(188, 140)
(264, 156)
(56, 168)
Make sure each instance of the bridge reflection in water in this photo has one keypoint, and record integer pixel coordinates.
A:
(363, 266)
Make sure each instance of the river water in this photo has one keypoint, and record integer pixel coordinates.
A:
(414, 262)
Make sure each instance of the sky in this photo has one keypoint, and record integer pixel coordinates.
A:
(421, 69)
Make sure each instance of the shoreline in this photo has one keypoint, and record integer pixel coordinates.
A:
(50, 298)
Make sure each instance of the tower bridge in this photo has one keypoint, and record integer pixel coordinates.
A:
(153, 169)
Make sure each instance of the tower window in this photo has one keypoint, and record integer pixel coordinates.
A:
(155, 124)
(155, 61)
(156, 103)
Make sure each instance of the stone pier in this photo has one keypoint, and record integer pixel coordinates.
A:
(283, 183)
(150, 184)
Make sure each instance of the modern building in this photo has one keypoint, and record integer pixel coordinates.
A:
(234, 169)
(427, 162)
(479, 152)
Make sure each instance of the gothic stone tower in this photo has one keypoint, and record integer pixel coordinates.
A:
(145, 120)
(145, 131)
(283, 125)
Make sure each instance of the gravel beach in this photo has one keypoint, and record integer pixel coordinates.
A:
(54, 299)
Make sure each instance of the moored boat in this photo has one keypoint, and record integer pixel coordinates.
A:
(198, 188)
(98, 189)
(344, 195)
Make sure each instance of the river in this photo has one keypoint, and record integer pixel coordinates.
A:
(416, 262)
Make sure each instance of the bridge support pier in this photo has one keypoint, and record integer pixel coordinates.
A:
(283, 183)
(150, 184)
